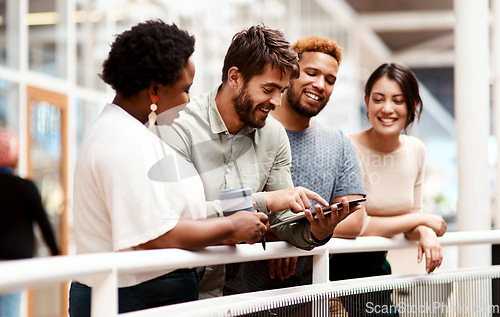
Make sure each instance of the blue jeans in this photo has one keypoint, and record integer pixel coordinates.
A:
(10, 304)
(172, 288)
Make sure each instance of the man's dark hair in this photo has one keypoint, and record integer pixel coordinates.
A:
(150, 52)
(252, 49)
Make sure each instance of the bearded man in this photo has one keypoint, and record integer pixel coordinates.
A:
(323, 159)
(232, 141)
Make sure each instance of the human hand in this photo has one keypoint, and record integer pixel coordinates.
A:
(436, 223)
(248, 227)
(296, 198)
(322, 226)
(430, 246)
(284, 268)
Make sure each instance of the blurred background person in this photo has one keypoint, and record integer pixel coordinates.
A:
(21, 206)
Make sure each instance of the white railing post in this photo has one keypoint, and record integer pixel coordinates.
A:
(321, 268)
(472, 88)
(105, 295)
(321, 274)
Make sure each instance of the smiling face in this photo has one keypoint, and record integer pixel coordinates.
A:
(260, 95)
(309, 94)
(386, 105)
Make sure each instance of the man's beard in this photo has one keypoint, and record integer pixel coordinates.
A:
(294, 102)
(243, 104)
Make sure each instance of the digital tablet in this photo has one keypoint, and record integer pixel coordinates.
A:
(326, 210)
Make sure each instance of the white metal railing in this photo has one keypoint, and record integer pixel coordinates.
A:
(104, 268)
(465, 292)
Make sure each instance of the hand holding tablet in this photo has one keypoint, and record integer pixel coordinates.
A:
(327, 211)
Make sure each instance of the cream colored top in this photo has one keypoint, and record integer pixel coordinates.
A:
(393, 181)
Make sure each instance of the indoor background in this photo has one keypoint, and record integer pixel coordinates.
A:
(51, 52)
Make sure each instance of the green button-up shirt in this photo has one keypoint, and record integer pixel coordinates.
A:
(255, 158)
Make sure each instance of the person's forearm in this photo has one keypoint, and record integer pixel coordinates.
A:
(416, 233)
(350, 227)
(193, 234)
(390, 226)
(298, 234)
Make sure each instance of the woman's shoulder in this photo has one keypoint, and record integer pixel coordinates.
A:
(358, 141)
(415, 147)
(414, 142)
(355, 136)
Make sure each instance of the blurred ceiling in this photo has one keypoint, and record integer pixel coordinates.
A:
(418, 33)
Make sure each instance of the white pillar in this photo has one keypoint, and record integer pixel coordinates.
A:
(88, 48)
(495, 97)
(472, 104)
(13, 58)
(17, 58)
(68, 64)
(353, 62)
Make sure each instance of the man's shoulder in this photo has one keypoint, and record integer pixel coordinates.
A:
(10, 178)
(198, 104)
(195, 113)
(15, 182)
(271, 135)
(319, 134)
(272, 125)
(272, 130)
(325, 133)
(322, 127)
(199, 101)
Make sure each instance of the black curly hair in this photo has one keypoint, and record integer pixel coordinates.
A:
(150, 52)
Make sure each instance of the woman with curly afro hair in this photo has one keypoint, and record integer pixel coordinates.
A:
(127, 194)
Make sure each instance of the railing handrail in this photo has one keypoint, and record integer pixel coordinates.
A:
(267, 298)
(21, 273)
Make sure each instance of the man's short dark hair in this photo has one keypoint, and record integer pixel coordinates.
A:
(252, 49)
(150, 52)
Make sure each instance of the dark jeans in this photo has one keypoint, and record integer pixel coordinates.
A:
(172, 288)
